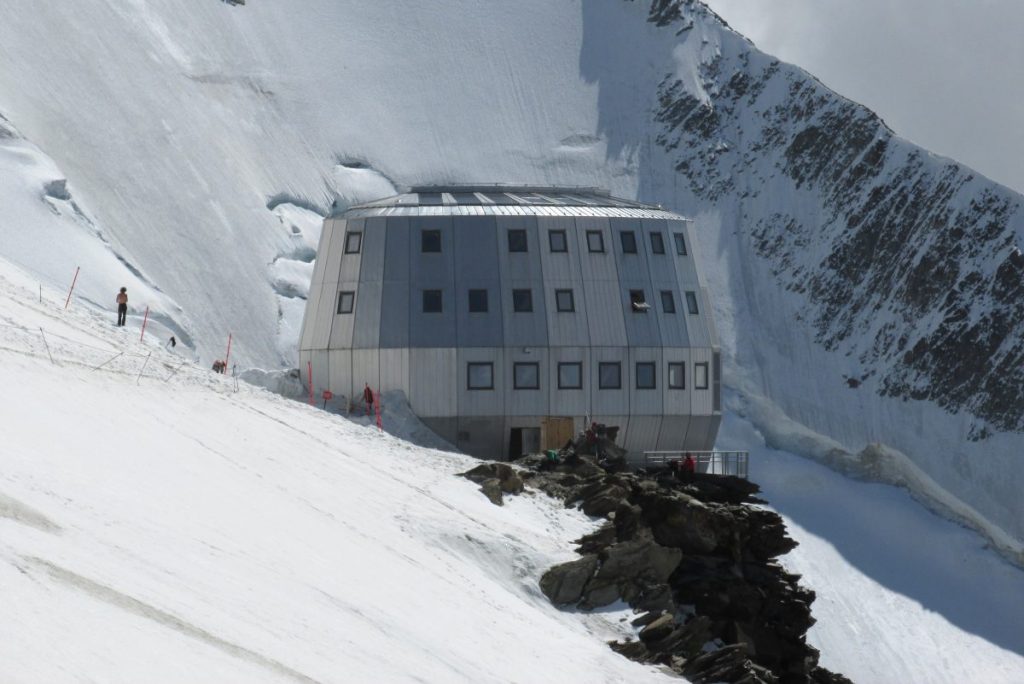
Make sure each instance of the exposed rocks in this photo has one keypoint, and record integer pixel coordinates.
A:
(495, 479)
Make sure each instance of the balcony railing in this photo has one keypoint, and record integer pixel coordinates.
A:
(709, 462)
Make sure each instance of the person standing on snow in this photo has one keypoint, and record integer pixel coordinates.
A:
(122, 306)
(368, 398)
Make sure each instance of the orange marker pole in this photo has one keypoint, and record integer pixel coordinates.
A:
(144, 320)
(228, 354)
(75, 280)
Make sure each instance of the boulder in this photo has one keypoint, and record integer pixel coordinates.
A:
(484, 471)
(492, 490)
(638, 559)
(513, 484)
(564, 584)
(658, 629)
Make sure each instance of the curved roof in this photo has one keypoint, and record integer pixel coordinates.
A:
(491, 200)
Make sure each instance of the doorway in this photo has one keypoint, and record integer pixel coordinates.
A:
(522, 441)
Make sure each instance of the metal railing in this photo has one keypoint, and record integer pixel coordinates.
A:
(709, 462)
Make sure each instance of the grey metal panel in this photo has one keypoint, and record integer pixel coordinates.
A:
(432, 329)
(671, 325)
(342, 325)
(482, 437)
(476, 267)
(526, 402)
(595, 265)
(701, 398)
(522, 270)
(367, 324)
(714, 424)
(365, 370)
(672, 436)
(431, 266)
(479, 329)
(338, 372)
(397, 250)
(394, 370)
(476, 241)
(659, 266)
(609, 401)
(446, 428)
(605, 315)
(432, 378)
(350, 263)
(642, 328)
(484, 402)
(394, 315)
(569, 402)
(642, 433)
(566, 327)
(677, 402)
(646, 402)
(698, 435)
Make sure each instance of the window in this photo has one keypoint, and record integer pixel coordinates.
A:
(668, 302)
(646, 375)
(657, 243)
(700, 375)
(526, 376)
(691, 302)
(638, 301)
(680, 244)
(353, 241)
(564, 300)
(570, 375)
(478, 301)
(522, 301)
(677, 376)
(432, 301)
(595, 241)
(557, 241)
(346, 302)
(517, 240)
(609, 375)
(628, 240)
(480, 376)
(430, 241)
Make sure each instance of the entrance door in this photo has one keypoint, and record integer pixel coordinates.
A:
(522, 441)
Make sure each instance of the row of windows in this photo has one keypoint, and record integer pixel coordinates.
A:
(526, 376)
(430, 241)
(522, 301)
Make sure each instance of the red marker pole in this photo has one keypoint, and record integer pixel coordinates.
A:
(144, 320)
(228, 354)
(309, 367)
(75, 280)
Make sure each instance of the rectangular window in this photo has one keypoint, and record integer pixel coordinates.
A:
(346, 302)
(557, 241)
(564, 300)
(700, 375)
(657, 243)
(517, 240)
(480, 376)
(432, 301)
(691, 302)
(677, 376)
(353, 241)
(526, 376)
(609, 375)
(595, 241)
(570, 375)
(478, 301)
(646, 375)
(638, 301)
(628, 240)
(680, 243)
(668, 302)
(522, 301)
(430, 241)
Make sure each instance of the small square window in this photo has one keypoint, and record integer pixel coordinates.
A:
(609, 375)
(628, 240)
(478, 301)
(564, 301)
(526, 376)
(700, 375)
(691, 302)
(430, 241)
(657, 243)
(570, 375)
(480, 376)
(668, 302)
(522, 301)
(680, 243)
(646, 375)
(557, 241)
(432, 301)
(638, 301)
(346, 302)
(517, 240)
(595, 241)
(353, 241)
(677, 376)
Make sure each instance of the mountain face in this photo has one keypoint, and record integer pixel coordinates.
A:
(864, 289)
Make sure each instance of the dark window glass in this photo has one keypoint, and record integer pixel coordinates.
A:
(646, 375)
(668, 302)
(609, 375)
(517, 240)
(432, 301)
(353, 241)
(677, 376)
(595, 241)
(478, 301)
(570, 375)
(430, 241)
(526, 376)
(657, 243)
(700, 375)
(346, 302)
(564, 300)
(638, 301)
(557, 241)
(691, 302)
(680, 244)
(628, 240)
(522, 301)
(480, 376)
